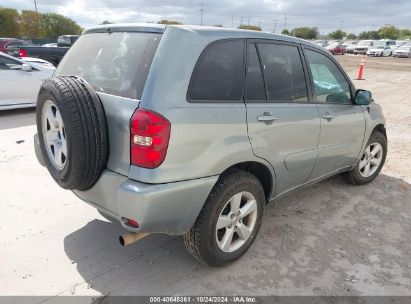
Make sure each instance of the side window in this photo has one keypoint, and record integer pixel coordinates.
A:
(330, 84)
(11, 45)
(283, 72)
(254, 83)
(218, 75)
(9, 64)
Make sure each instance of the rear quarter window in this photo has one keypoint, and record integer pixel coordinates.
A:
(113, 63)
(218, 75)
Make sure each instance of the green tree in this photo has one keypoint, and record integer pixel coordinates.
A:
(31, 25)
(405, 33)
(249, 27)
(218, 25)
(389, 32)
(285, 32)
(165, 21)
(305, 32)
(56, 25)
(106, 22)
(337, 35)
(9, 22)
(351, 36)
(369, 35)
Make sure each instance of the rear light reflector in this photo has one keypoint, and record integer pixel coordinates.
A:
(22, 53)
(132, 223)
(149, 136)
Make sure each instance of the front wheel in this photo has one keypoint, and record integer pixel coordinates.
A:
(371, 161)
(229, 221)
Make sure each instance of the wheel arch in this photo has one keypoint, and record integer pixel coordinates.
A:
(262, 172)
(380, 128)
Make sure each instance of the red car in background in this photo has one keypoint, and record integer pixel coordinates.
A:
(335, 49)
(7, 44)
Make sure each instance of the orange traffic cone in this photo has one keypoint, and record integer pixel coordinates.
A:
(361, 70)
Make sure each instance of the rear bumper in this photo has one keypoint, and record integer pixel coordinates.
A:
(170, 208)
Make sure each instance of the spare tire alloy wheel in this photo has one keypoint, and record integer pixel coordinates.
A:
(54, 135)
(235, 223)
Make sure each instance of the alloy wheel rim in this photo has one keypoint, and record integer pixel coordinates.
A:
(236, 222)
(370, 160)
(54, 135)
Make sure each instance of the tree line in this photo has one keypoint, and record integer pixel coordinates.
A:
(310, 33)
(32, 25)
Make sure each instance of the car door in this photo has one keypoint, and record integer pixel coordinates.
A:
(342, 122)
(17, 86)
(283, 126)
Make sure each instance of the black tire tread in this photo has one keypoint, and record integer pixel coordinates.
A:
(193, 239)
(86, 126)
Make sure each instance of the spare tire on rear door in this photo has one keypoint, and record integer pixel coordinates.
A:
(72, 130)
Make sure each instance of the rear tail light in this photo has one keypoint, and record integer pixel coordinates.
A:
(22, 53)
(149, 136)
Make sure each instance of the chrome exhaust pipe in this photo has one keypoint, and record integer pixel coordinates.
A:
(131, 237)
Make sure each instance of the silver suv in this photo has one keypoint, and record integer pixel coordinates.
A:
(190, 130)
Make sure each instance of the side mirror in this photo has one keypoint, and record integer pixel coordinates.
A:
(363, 97)
(26, 67)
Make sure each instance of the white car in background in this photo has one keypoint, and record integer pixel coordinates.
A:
(20, 80)
(403, 51)
(380, 50)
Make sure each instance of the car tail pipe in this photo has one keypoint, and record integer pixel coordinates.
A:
(131, 237)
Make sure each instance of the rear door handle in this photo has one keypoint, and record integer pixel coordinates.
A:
(266, 117)
(328, 116)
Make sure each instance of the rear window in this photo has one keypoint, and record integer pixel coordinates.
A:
(113, 63)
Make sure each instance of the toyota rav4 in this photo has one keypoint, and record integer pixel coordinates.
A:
(192, 130)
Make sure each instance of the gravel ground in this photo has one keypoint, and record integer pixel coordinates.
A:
(328, 239)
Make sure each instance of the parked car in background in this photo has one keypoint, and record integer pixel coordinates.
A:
(335, 48)
(380, 51)
(7, 45)
(402, 51)
(349, 44)
(350, 48)
(363, 46)
(388, 42)
(322, 43)
(49, 45)
(51, 54)
(20, 80)
(201, 156)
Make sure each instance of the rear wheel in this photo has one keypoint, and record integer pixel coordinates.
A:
(229, 221)
(371, 161)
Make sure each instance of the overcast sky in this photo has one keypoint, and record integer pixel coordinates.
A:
(327, 15)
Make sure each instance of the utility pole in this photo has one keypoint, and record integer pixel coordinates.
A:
(232, 21)
(201, 13)
(248, 20)
(342, 23)
(241, 20)
(285, 20)
(259, 24)
(275, 25)
(35, 5)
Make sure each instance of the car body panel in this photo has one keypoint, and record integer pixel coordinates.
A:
(289, 143)
(341, 137)
(120, 198)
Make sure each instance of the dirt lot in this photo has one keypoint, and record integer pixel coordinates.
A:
(329, 239)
